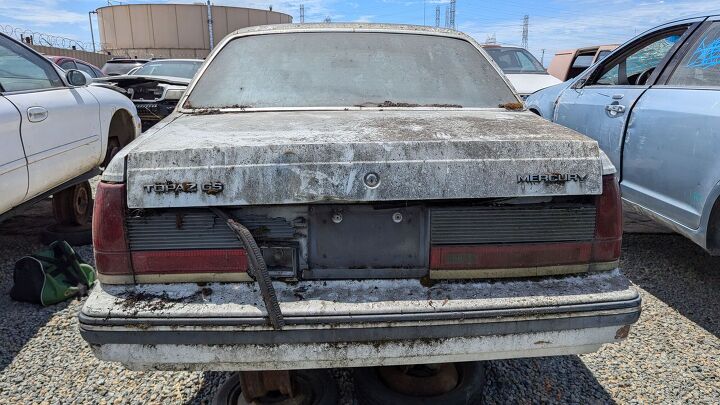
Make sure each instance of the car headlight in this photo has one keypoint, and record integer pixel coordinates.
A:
(174, 94)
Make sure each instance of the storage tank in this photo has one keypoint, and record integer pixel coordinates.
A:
(173, 30)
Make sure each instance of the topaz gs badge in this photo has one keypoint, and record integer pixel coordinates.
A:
(212, 188)
(551, 178)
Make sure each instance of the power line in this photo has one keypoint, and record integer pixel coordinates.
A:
(526, 24)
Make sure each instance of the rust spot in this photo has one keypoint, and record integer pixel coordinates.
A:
(179, 219)
(512, 106)
(623, 332)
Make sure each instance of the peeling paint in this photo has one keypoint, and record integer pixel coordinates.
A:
(302, 157)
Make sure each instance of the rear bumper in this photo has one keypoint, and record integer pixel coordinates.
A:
(328, 325)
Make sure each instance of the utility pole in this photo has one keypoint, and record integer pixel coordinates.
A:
(92, 33)
(437, 16)
(210, 25)
(526, 26)
(447, 16)
(542, 58)
(302, 13)
(452, 14)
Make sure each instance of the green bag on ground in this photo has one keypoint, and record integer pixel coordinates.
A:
(51, 275)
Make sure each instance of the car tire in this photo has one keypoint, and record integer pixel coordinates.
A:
(370, 388)
(113, 148)
(74, 235)
(73, 206)
(317, 386)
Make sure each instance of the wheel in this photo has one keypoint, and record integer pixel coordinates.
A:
(312, 387)
(113, 148)
(426, 384)
(73, 205)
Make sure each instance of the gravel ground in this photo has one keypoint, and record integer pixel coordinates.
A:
(672, 355)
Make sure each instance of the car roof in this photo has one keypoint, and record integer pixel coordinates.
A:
(349, 27)
(176, 60)
(587, 48)
(127, 60)
(501, 47)
(706, 14)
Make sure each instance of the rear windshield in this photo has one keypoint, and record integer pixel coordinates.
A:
(515, 60)
(119, 68)
(175, 68)
(340, 69)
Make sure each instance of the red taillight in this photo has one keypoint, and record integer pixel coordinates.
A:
(525, 259)
(519, 255)
(608, 223)
(117, 264)
(190, 261)
(112, 255)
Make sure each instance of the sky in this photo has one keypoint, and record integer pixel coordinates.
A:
(553, 24)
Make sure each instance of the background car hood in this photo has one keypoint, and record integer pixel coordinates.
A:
(528, 83)
(131, 79)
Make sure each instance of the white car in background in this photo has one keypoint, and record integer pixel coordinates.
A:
(56, 132)
(525, 73)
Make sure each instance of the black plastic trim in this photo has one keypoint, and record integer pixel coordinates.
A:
(140, 330)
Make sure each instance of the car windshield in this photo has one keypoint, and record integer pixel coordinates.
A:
(515, 60)
(118, 68)
(171, 68)
(341, 69)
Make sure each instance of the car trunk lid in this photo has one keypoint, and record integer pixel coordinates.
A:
(262, 158)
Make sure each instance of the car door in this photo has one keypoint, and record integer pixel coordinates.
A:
(671, 157)
(60, 126)
(13, 166)
(598, 103)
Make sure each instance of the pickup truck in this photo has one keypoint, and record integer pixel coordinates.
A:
(352, 195)
(567, 64)
(56, 132)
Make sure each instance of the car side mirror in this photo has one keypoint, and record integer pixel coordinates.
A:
(76, 77)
